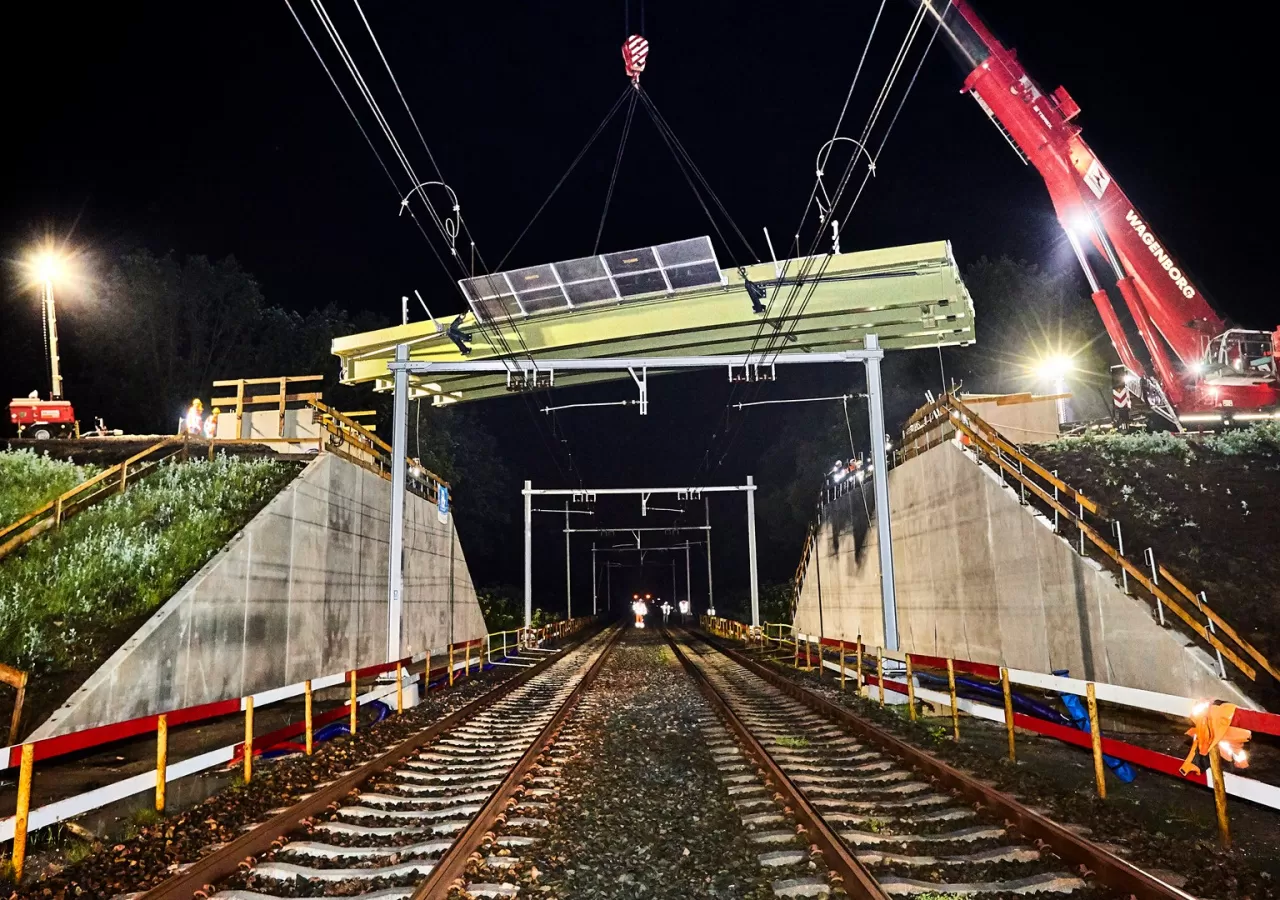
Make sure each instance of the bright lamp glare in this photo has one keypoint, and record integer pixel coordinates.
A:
(45, 264)
(48, 266)
(1055, 367)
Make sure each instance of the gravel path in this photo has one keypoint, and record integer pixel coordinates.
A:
(642, 810)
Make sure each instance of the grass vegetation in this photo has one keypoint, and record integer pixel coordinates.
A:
(795, 743)
(1262, 439)
(29, 480)
(64, 596)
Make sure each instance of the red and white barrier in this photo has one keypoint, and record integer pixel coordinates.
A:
(70, 807)
(1149, 701)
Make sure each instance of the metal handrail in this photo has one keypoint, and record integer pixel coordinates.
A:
(949, 412)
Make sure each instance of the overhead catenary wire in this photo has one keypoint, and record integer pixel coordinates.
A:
(368, 140)
(873, 118)
(779, 337)
(841, 397)
(352, 67)
(497, 329)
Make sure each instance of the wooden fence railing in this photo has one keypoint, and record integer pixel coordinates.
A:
(107, 483)
(1072, 510)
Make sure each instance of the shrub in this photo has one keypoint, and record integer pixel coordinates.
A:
(29, 480)
(63, 595)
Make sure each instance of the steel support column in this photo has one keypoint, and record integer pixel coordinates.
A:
(751, 548)
(528, 554)
(568, 568)
(395, 554)
(880, 482)
(594, 582)
(688, 584)
(711, 598)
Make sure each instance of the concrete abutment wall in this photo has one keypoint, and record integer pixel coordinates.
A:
(299, 593)
(981, 577)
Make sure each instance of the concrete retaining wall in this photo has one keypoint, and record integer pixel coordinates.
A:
(980, 576)
(299, 593)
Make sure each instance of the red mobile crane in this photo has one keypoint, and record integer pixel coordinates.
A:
(1204, 370)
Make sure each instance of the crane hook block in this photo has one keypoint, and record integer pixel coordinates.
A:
(635, 51)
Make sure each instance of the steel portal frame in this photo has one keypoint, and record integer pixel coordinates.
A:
(638, 367)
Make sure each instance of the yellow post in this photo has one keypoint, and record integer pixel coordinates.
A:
(880, 673)
(248, 740)
(1220, 797)
(24, 809)
(426, 676)
(808, 646)
(306, 690)
(354, 707)
(1008, 711)
(955, 707)
(162, 758)
(842, 664)
(911, 690)
(451, 665)
(124, 477)
(466, 654)
(1099, 768)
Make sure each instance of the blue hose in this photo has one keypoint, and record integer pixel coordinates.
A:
(981, 689)
(332, 730)
(1080, 719)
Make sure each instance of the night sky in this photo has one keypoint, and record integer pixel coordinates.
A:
(211, 129)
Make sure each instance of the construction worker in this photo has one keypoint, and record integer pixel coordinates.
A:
(641, 610)
(195, 418)
(685, 609)
(211, 424)
(666, 611)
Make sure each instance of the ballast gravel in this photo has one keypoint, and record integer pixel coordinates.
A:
(642, 810)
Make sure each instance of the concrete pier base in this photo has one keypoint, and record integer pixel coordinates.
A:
(984, 578)
(301, 592)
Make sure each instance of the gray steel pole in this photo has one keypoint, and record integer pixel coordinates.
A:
(608, 587)
(594, 581)
(395, 550)
(711, 598)
(880, 482)
(528, 554)
(688, 588)
(568, 571)
(751, 542)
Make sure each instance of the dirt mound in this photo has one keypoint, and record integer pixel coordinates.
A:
(1208, 506)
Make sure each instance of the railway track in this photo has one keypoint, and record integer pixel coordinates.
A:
(404, 825)
(888, 819)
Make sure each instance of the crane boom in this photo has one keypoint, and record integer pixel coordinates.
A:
(1199, 363)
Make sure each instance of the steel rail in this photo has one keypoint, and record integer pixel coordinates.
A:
(857, 881)
(1109, 869)
(449, 869)
(198, 879)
